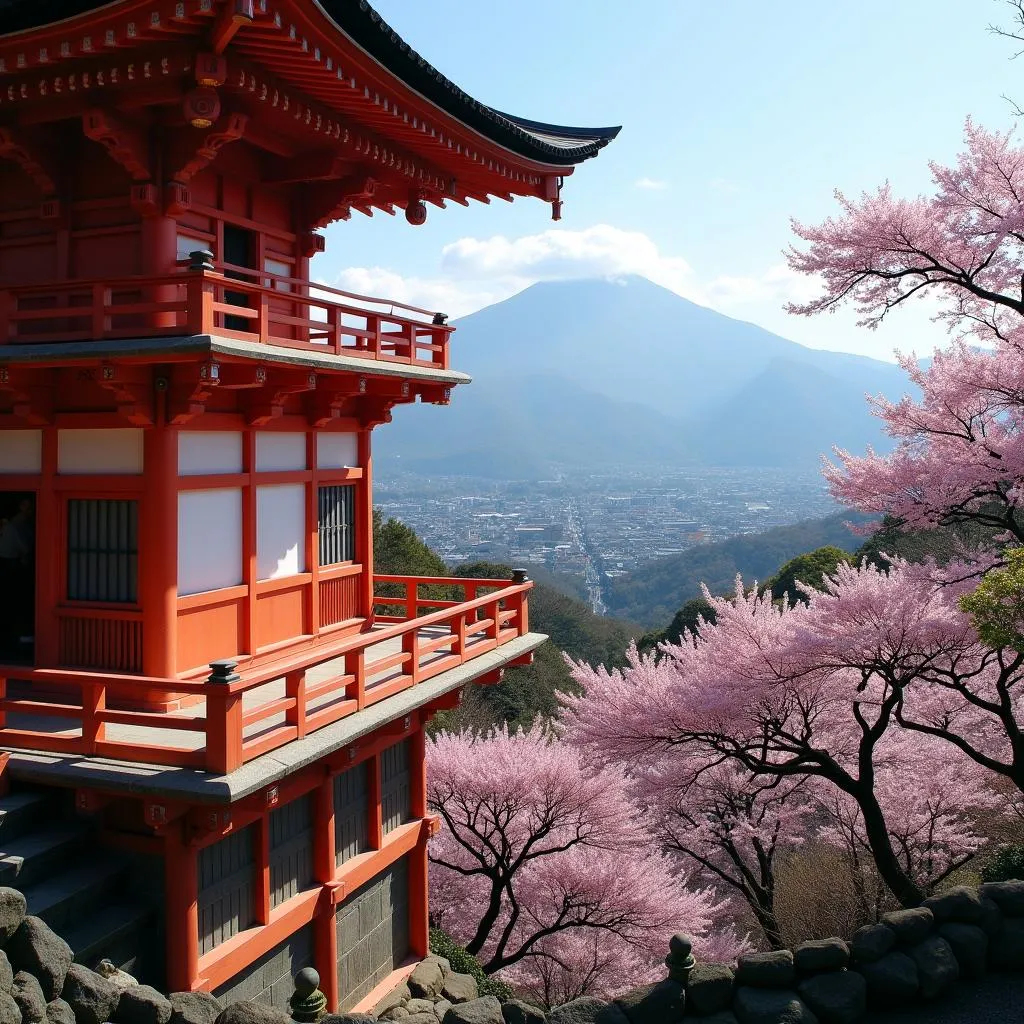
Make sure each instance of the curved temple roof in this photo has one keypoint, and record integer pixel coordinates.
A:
(545, 143)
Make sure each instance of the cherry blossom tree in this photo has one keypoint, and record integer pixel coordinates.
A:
(727, 824)
(543, 869)
(813, 691)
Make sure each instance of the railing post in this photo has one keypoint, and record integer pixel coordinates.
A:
(520, 576)
(355, 666)
(263, 324)
(493, 611)
(295, 687)
(101, 301)
(7, 306)
(411, 647)
(459, 647)
(440, 337)
(94, 700)
(200, 292)
(334, 328)
(223, 719)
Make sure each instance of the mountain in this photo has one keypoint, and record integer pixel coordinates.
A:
(654, 592)
(598, 372)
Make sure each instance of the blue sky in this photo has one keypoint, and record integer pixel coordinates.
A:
(737, 115)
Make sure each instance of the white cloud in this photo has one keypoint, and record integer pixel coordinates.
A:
(651, 184)
(477, 272)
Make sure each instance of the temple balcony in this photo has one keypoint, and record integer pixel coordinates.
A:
(218, 299)
(421, 649)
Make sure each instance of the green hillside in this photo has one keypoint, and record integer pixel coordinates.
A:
(655, 592)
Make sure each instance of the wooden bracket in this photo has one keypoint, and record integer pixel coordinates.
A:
(189, 397)
(30, 403)
(267, 409)
(212, 143)
(125, 144)
(242, 376)
(236, 14)
(327, 201)
(326, 406)
(133, 398)
(204, 822)
(13, 146)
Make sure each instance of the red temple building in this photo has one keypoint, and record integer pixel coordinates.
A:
(213, 721)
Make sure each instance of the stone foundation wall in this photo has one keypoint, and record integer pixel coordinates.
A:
(270, 979)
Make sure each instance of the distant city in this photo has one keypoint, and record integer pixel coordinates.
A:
(594, 526)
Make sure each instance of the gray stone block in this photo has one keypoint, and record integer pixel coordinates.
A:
(709, 989)
(771, 1006)
(960, 904)
(6, 973)
(661, 1003)
(441, 1007)
(937, 969)
(991, 917)
(871, 943)
(459, 988)
(36, 948)
(12, 912)
(92, 997)
(142, 1004)
(970, 947)
(911, 926)
(585, 1010)
(397, 995)
(892, 981)
(59, 1012)
(515, 1011)
(248, 1011)
(424, 1017)
(486, 1010)
(29, 996)
(1009, 896)
(1006, 947)
(426, 979)
(835, 997)
(420, 1006)
(766, 970)
(347, 1018)
(10, 1013)
(446, 967)
(193, 1008)
(395, 1013)
(821, 955)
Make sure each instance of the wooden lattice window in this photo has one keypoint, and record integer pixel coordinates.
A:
(336, 523)
(103, 550)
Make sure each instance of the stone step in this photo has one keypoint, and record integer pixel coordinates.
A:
(25, 811)
(40, 854)
(117, 933)
(63, 898)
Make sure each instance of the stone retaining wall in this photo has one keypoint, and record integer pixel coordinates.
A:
(913, 957)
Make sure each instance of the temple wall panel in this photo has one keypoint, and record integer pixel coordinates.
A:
(21, 451)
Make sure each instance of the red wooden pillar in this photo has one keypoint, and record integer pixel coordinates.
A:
(364, 535)
(419, 913)
(48, 586)
(181, 896)
(158, 570)
(375, 808)
(159, 251)
(325, 932)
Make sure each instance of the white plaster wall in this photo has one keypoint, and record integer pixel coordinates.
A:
(280, 531)
(100, 451)
(277, 451)
(209, 540)
(337, 451)
(21, 451)
(202, 452)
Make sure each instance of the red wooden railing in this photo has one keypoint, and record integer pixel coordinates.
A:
(231, 722)
(233, 302)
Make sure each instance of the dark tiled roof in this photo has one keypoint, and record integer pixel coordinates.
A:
(545, 143)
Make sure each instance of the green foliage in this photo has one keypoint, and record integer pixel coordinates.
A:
(652, 594)
(531, 691)
(1007, 864)
(686, 621)
(942, 543)
(398, 551)
(809, 569)
(996, 607)
(442, 944)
